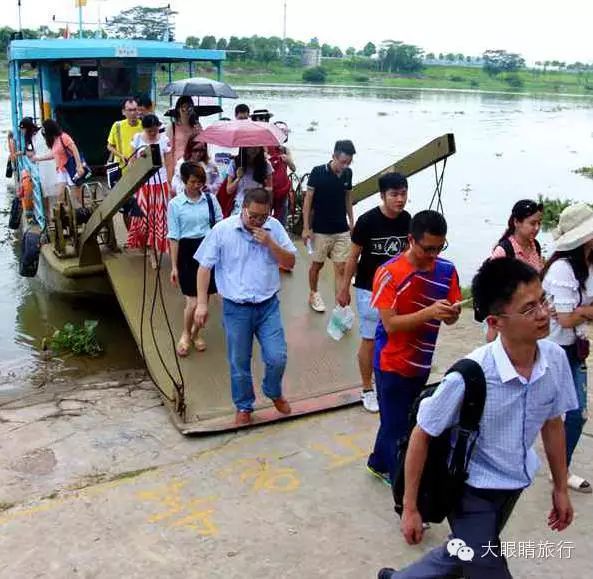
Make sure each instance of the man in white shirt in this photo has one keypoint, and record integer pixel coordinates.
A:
(526, 381)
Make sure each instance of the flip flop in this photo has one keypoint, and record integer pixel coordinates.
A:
(579, 484)
(182, 349)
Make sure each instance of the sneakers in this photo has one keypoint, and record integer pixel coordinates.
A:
(386, 573)
(316, 302)
(369, 400)
(382, 476)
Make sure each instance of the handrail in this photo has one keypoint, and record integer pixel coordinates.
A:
(146, 165)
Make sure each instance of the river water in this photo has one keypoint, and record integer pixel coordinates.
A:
(508, 147)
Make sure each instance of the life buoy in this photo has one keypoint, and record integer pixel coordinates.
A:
(26, 191)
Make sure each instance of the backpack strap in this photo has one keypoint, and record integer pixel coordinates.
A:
(211, 213)
(508, 247)
(538, 247)
(470, 415)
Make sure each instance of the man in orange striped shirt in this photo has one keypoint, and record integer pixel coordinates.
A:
(414, 292)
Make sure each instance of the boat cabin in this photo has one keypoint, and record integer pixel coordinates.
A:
(81, 82)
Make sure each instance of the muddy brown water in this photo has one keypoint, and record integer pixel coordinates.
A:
(509, 147)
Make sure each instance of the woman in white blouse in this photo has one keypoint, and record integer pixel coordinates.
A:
(568, 279)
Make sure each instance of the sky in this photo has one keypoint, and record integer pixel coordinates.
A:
(537, 29)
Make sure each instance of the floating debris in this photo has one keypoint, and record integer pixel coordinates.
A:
(585, 172)
(311, 129)
(382, 114)
(498, 154)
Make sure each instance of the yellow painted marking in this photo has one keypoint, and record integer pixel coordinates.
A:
(263, 475)
(195, 514)
(350, 450)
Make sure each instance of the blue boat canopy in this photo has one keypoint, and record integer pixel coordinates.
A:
(108, 48)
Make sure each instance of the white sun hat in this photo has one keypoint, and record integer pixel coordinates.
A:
(575, 227)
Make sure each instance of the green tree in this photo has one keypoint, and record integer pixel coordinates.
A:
(497, 61)
(208, 42)
(468, 59)
(450, 57)
(399, 57)
(142, 22)
(430, 56)
(221, 44)
(192, 42)
(369, 49)
(313, 43)
(350, 51)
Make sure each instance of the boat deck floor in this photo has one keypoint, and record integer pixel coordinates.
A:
(321, 373)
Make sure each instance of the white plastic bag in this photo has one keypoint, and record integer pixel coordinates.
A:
(340, 322)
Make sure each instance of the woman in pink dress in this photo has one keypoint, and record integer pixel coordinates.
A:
(184, 127)
(150, 229)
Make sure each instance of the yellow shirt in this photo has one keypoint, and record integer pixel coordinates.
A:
(120, 137)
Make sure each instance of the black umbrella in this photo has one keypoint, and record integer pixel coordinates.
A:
(199, 86)
(200, 110)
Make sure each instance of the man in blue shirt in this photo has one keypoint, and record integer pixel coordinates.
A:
(527, 380)
(246, 251)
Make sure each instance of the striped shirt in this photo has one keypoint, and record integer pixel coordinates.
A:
(514, 412)
(399, 286)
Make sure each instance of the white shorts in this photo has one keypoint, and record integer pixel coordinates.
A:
(62, 176)
(367, 315)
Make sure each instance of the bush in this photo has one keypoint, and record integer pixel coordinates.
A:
(316, 74)
(474, 83)
(361, 78)
(456, 78)
(514, 80)
(552, 210)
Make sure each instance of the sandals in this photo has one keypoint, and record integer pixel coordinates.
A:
(579, 484)
(182, 348)
(200, 344)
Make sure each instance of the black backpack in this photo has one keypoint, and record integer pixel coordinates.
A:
(444, 472)
(510, 250)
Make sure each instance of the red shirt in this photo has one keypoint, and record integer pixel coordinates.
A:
(399, 286)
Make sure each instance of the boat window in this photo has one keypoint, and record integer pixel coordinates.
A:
(79, 83)
(115, 81)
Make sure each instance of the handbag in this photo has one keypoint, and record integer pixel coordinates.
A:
(9, 169)
(583, 348)
(71, 166)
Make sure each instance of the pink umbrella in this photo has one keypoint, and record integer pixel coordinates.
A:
(243, 133)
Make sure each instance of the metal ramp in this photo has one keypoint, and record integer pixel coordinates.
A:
(321, 373)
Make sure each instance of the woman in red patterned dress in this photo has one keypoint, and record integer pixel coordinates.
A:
(150, 229)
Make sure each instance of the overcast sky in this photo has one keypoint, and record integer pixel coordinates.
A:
(538, 29)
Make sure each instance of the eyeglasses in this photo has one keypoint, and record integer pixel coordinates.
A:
(545, 303)
(433, 249)
(256, 217)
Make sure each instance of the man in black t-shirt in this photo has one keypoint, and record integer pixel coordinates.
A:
(329, 199)
(379, 235)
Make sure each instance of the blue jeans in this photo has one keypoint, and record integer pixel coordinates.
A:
(241, 323)
(575, 419)
(395, 395)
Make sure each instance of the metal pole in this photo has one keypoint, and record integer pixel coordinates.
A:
(80, 19)
(20, 20)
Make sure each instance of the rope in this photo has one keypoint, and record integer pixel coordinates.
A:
(438, 192)
(179, 386)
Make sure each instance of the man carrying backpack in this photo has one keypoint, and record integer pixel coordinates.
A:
(526, 393)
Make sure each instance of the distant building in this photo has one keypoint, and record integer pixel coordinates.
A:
(311, 57)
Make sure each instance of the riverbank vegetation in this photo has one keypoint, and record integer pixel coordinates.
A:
(390, 64)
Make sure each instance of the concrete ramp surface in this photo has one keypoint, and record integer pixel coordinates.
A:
(321, 373)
